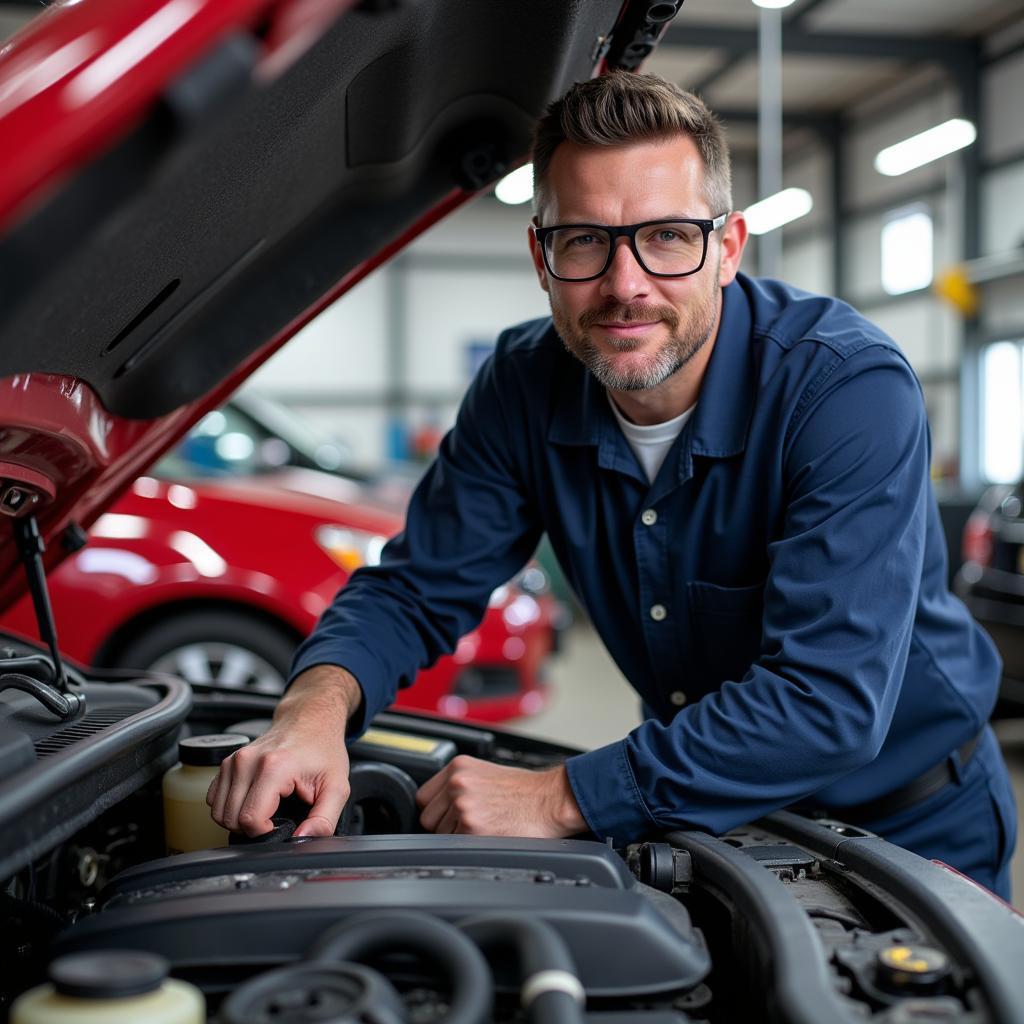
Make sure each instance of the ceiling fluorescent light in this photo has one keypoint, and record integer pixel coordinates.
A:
(776, 210)
(922, 149)
(773, 5)
(517, 187)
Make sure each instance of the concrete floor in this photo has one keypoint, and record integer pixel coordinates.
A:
(591, 704)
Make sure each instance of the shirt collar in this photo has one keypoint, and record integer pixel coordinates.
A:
(581, 415)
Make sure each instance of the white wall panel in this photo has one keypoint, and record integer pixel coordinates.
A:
(1002, 208)
(1003, 125)
(484, 227)
(345, 348)
(927, 332)
(862, 245)
(942, 403)
(1002, 308)
(448, 310)
(813, 173)
(744, 183)
(808, 264)
(361, 429)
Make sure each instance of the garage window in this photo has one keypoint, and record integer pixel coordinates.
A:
(1002, 437)
(907, 250)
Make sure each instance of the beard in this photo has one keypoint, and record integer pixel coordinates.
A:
(684, 341)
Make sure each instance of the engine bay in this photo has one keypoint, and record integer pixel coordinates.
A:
(786, 920)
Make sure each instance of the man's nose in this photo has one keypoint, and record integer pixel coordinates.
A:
(625, 279)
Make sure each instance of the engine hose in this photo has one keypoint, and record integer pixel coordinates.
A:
(551, 991)
(368, 935)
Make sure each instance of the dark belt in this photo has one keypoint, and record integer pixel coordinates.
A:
(914, 792)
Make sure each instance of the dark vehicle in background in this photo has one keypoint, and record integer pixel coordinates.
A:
(991, 583)
(185, 184)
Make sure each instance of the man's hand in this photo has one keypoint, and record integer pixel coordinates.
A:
(474, 797)
(302, 753)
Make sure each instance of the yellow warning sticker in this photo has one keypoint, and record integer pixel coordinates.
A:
(400, 741)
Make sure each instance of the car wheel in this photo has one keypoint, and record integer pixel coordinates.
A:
(223, 649)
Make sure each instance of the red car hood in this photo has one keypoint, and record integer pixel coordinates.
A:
(186, 183)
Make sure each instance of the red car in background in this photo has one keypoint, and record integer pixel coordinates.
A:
(215, 567)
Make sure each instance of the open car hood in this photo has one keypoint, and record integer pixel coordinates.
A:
(188, 182)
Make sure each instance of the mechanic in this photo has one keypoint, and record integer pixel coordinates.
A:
(734, 475)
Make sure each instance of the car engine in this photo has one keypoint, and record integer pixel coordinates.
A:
(786, 920)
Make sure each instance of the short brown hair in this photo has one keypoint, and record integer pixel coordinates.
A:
(624, 107)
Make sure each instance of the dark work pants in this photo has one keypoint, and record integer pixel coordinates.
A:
(970, 824)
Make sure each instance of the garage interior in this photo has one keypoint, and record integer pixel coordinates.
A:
(856, 76)
(934, 255)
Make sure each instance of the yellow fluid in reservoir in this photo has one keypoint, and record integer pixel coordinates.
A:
(187, 822)
(174, 1002)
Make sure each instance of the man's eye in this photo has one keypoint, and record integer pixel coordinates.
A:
(667, 235)
(582, 241)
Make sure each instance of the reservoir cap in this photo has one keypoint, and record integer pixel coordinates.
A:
(209, 750)
(906, 969)
(111, 974)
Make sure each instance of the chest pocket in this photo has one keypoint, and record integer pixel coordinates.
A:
(726, 625)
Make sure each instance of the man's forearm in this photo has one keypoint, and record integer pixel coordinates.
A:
(327, 690)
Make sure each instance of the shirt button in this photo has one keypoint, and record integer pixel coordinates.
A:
(649, 517)
(678, 698)
(658, 612)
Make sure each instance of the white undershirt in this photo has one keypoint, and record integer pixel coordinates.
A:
(651, 444)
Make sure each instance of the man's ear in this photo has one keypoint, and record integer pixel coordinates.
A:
(537, 255)
(734, 241)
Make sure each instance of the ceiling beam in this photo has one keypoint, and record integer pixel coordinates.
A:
(797, 40)
(823, 124)
(793, 19)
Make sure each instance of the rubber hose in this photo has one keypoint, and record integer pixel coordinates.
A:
(540, 949)
(367, 935)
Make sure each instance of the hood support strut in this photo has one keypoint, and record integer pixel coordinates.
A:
(52, 692)
(31, 548)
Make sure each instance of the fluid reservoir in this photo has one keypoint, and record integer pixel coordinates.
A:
(187, 822)
(111, 987)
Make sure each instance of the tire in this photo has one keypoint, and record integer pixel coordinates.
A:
(224, 649)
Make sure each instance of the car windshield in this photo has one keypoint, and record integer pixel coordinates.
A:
(249, 436)
(224, 442)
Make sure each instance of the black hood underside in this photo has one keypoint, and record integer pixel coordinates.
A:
(235, 206)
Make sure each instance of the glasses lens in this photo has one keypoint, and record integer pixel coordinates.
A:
(575, 253)
(667, 247)
(670, 247)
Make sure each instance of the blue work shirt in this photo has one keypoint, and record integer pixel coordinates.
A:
(783, 612)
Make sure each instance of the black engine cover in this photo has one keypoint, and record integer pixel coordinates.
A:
(237, 910)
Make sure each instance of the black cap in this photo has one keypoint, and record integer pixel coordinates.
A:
(209, 750)
(111, 974)
(912, 969)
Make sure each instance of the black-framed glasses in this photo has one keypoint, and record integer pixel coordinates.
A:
(664, 248)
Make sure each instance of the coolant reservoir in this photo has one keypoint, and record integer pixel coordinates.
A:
(187, 822)
(111, 987)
